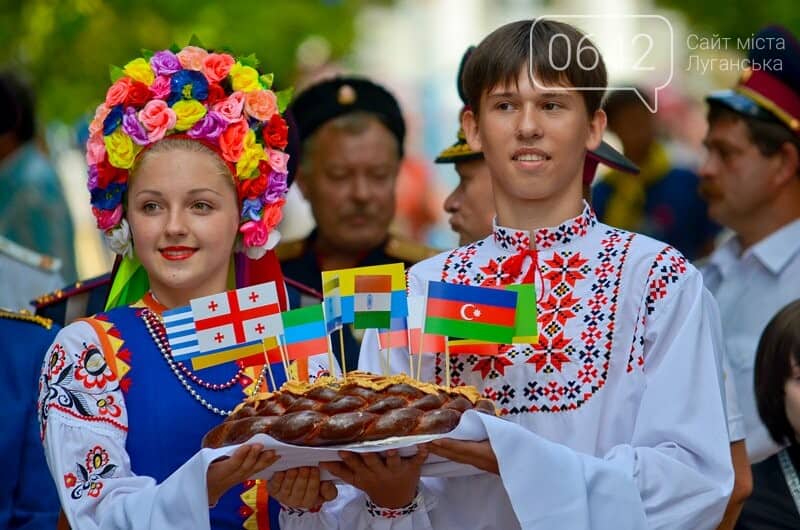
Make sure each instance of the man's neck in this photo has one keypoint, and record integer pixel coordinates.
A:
(533, 215)
(751, 233)
(331, 257)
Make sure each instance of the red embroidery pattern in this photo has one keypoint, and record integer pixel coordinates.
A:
(88, 480)
(91, 368)
(667, 268)
(576, 318)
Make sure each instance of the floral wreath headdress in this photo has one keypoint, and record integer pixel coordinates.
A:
(214, 98)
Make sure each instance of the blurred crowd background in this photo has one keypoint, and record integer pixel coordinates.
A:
(64, 48)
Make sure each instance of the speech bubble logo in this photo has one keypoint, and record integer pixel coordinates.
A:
(645, 48)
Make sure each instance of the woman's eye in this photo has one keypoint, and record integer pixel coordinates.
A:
(149, 207)
(202, 206)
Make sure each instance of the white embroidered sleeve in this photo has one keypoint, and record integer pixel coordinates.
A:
(353, 510)
(84, 425)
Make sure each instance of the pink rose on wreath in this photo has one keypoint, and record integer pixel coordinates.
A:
(107, 218)
(255, 233)
(191, 57)
(100, 115)
(261, 104)
(216, 66)
(278, 161)
(231, 142)
(95, 149)
(118, 92)
(157, 118)
(161, 87)
(231, 107)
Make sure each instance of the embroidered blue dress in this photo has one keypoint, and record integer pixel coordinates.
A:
(122, 433)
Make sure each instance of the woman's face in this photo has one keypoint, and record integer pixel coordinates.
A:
(184, 217)
(792, 401)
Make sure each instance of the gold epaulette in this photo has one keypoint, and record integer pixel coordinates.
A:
(408, 251)
(28, 256)
(26, 316)
(290, 249)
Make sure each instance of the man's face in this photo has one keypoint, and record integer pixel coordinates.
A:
(736, 179)
(350, 183)
(471, 204)
(534, 140)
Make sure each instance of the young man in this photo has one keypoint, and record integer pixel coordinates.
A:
(615, 417)
(751, 181)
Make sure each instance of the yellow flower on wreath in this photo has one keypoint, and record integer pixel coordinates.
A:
(121, 149)
(244, 78)
(252, 154)
(188, 112)
(139, 70)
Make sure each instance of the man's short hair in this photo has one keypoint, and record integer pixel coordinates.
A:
(499, 57)
(779, 343)
(767, 135)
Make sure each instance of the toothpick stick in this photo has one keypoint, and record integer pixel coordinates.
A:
(419, 354)
(331, 362)
(447, 361)
(269, 367)
(341, 351)
(284, 356)
(410, 357)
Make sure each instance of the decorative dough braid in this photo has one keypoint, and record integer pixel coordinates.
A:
(339, 411)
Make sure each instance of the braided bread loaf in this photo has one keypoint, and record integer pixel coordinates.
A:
(359, 408)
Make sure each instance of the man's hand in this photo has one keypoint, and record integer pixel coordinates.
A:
(478, 454)
(225, 473)
(390, 481)
(301, 488)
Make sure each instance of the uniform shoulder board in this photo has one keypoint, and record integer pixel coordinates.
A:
(28, 256)
(26, 316)
(290, 249)
(408, 251)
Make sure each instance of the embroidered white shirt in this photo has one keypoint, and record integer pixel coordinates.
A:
(619, 400)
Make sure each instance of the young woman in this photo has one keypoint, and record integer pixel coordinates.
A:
(186, 166)
(775, 501)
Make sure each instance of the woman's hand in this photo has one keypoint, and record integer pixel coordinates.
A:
(301, 488)
(390, 481)
(245, 462)
(478, 454)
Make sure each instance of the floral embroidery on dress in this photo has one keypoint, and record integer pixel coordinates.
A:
(576, 304)
(92, 369)
(58, 388)
(96, 466)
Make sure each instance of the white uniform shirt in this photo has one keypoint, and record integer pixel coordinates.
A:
(623, 424)
(750, 288)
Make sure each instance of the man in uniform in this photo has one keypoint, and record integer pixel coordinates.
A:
(26, 274)
(28, 498)
(751, 180)
(351, 135)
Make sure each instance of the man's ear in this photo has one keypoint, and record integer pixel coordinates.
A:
(789, 168)
(597, 126)
(469, 122)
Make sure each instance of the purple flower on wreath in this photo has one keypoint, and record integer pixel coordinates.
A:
(132, 127)
(251, 208)
(209, 127)
(113, 120)
(165, 63)
(92, 182)
(188, 84)
(276, 189)
(108, 198)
